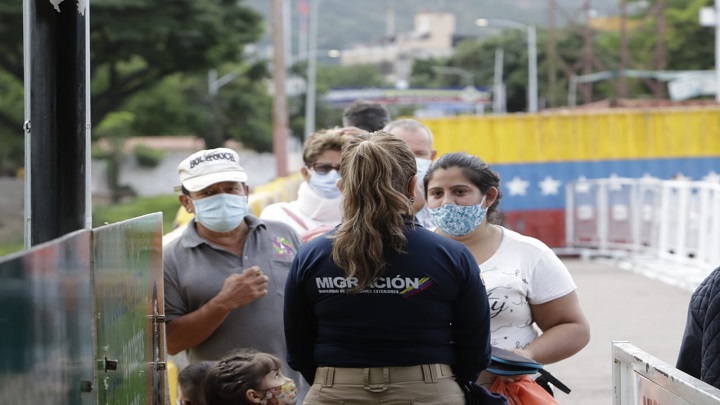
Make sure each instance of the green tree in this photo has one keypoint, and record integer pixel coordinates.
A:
(181, 104)
(329, 77)
(478, 58)
(688, 44)
(135, 44)
(11, 139)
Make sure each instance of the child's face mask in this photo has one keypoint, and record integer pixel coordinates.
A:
(285, 394)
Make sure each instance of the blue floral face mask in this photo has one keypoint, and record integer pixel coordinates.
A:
(221, 212)
(324, 184)
(458, 220)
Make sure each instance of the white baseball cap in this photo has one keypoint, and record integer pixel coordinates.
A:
(207, 167)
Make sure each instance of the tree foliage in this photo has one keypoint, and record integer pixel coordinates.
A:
(134, 46)
(329, 77)
(686, 46)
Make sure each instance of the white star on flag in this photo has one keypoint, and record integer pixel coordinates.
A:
(648, 176)
(712, 177)
(517, 186)
(582, 185)
(614, 182)
(549, 186)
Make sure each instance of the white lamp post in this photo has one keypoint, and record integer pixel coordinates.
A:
(532, 53)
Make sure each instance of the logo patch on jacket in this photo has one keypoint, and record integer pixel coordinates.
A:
(283, 247)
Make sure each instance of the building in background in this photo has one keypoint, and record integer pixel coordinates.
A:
(433, 36)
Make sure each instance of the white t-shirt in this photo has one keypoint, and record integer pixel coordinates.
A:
(522, 271)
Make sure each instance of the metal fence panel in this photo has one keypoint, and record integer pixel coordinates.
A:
(129, 306)
(46, 324)
(675, 220)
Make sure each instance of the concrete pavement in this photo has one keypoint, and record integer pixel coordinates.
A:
(622, 306)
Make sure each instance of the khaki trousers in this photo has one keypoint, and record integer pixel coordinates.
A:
(427, 384)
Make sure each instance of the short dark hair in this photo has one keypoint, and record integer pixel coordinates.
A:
(366, 115)
(191, 379)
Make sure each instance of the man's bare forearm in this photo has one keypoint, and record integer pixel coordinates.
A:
(192, 329)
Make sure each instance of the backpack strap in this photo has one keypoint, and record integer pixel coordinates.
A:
(554, 381)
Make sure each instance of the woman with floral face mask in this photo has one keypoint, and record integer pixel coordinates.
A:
(526, 282)
(249, 377)
(317, 208)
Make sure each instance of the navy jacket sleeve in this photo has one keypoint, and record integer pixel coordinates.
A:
(691, 346)
(700, 349)
(300, 328)
(471, 323)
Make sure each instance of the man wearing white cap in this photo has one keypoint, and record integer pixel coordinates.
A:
(225, 276)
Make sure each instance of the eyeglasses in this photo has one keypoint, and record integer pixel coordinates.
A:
(324, 168)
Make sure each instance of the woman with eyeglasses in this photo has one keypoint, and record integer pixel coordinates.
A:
(381, 310)
(249, 377)
(317, 208)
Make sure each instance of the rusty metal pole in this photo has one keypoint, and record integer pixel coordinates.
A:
(280, 112)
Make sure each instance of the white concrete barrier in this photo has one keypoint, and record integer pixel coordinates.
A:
(641, 379)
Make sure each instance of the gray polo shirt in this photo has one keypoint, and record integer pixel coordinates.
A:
(194, 272)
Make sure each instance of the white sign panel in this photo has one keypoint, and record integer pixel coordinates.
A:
(707, 17)
(691, 86)
(649, 393)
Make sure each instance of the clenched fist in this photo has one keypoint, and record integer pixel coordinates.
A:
(241, 289)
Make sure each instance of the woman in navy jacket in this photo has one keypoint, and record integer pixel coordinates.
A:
(382, 309)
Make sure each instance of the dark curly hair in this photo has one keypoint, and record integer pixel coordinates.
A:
(231, 377)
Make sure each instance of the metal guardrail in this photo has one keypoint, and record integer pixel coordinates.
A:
(641, 379)
(669, 219)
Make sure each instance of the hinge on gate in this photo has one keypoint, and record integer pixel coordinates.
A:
(157, 318)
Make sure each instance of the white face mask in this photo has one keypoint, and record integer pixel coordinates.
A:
(422, 167)
(221, 212)
(325, 184)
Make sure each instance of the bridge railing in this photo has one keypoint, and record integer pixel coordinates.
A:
(673, 220)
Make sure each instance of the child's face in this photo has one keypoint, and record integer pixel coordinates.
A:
(280, 390)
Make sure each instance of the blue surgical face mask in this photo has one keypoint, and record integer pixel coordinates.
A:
(325, 184)
(221, 212)
(422, 167)
(458, 220)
